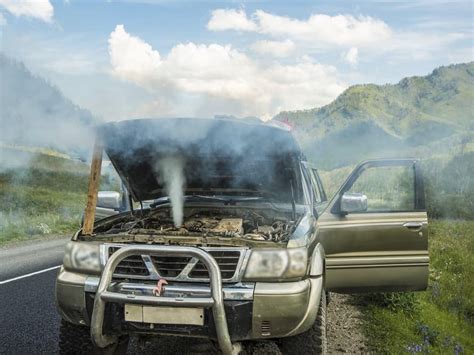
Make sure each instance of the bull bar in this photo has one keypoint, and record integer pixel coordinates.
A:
(216, 301)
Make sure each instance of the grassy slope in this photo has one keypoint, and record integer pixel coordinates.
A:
(419, 116)
(441, 319)
(445, 96)
(46, 195)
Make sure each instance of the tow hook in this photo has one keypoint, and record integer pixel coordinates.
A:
(160, 287)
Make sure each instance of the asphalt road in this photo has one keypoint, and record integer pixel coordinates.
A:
(29, 323)
(28, 319)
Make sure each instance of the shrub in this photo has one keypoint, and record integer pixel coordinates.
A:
(405, 302)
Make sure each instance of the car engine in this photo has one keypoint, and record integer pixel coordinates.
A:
(236, 224)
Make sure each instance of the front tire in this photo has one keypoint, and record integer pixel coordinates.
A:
(76, 340)
(314, 340)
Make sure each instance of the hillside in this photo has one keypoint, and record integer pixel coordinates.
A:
(35, 113)
(390, 120)
(43, 192)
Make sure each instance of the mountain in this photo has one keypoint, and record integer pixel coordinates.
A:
(370, 120)
(35, 113)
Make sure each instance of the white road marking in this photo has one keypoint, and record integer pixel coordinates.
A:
(30, 274)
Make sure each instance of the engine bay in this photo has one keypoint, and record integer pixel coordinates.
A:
(245, 224)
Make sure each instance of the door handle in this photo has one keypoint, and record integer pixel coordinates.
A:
(413, 226)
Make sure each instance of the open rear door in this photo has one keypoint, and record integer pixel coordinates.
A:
(374, 231)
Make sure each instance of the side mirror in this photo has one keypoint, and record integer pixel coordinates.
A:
(353, 202)
(109, 199)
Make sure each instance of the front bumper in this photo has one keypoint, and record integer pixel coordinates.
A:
(251, 310)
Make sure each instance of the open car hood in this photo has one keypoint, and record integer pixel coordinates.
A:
(216, 156)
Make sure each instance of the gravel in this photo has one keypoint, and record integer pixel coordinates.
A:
(345, 333)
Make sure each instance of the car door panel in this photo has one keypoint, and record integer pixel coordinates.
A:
(378, 253)
(375, 251)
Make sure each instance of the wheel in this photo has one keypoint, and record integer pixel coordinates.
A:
(76, 339)
(314, 340)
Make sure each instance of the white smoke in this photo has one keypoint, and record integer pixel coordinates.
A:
(171, 175)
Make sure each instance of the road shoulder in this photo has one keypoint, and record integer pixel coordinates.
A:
(35, 239)
(345, 326)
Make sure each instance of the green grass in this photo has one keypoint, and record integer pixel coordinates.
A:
(439, 320)
(21, 227)
(45, 196)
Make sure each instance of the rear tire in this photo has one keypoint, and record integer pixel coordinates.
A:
(314, 340)
(76, 340)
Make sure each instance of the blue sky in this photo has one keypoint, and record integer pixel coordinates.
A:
(125, 59)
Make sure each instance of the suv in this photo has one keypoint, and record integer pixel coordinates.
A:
(241, 242)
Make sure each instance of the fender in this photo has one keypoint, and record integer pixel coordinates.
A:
(316, 279)
(317, 261)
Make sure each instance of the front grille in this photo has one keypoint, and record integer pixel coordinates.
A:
(169, 266)
(227, 261)
(133, 265)
(182, 268)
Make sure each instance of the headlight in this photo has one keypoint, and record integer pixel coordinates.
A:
(277, 263)
(82, 257)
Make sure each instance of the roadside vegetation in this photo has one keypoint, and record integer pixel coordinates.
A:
(439, 320)
(43, 192)
(44, 195)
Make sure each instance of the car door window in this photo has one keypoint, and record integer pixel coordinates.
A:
(388, 188)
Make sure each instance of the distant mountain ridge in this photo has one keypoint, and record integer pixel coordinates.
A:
(388, 120)
(35, 113)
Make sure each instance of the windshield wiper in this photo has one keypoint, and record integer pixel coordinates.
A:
(191, 198)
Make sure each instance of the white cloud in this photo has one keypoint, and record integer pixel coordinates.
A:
(323, 33)
(40, 9)
(3, 20)
(352, 56)
(275, 48)
(131, 58)
(230, 19)
(218, 78)
(339, 30)
(202, 69)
